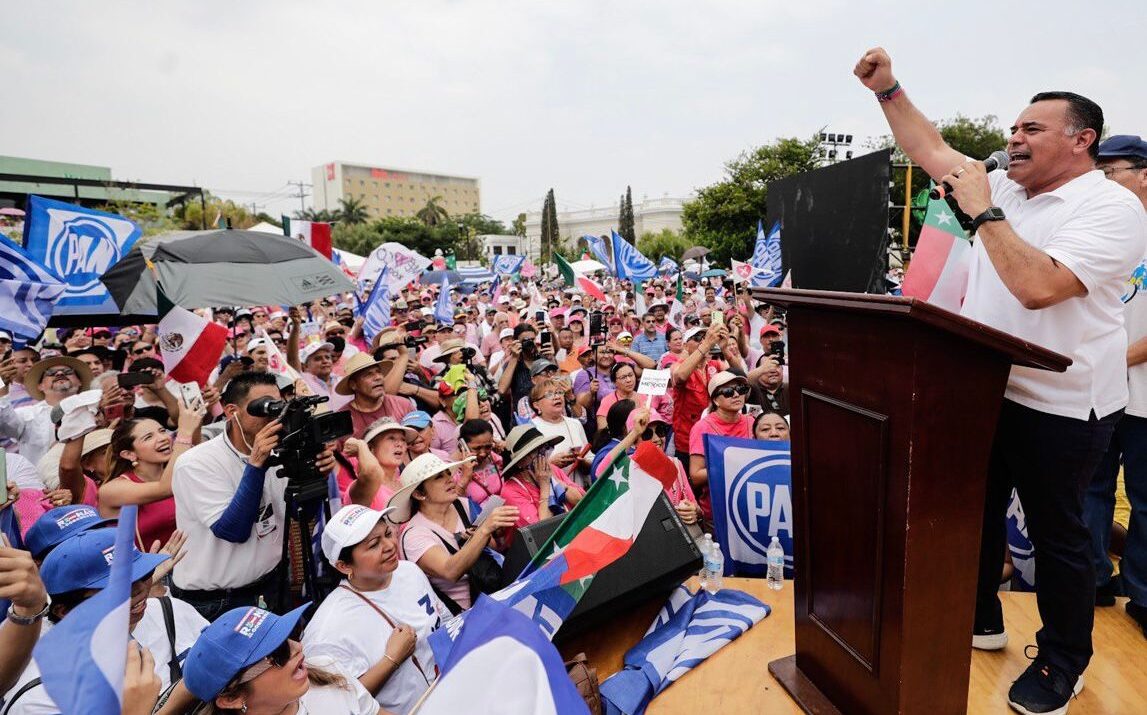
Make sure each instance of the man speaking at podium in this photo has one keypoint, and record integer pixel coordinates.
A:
(1055, 244)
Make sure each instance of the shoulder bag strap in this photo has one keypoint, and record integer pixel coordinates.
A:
(169, 624)
(386, 617)
(27, 686)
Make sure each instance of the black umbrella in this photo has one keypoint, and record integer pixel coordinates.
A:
(207, 269)
(695, 252)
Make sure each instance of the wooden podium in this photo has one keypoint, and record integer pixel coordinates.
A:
(894, 406)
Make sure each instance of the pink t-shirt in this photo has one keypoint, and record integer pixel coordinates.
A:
(392, 406)
(486, 481)
(712, 424)
(523, 495)
(421, 535)
(654, 402)
(346, 478)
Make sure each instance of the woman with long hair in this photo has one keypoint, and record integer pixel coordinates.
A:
(246, 662)
(141, 459)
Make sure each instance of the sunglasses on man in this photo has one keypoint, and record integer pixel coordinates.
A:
(60, 372)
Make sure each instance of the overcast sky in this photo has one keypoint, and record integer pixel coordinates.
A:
(585, 96)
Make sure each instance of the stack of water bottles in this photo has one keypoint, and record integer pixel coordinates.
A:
(712, 564)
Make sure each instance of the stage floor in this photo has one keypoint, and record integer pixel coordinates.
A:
(736, 678)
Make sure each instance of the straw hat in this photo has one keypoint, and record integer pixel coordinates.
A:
(358, 362)
(453, 346)
(522, 441)
(36, 373)
(423, 467)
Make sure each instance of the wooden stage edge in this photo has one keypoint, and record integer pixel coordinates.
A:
(736, 679)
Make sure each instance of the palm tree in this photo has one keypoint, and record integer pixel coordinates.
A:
(432, 214)
(352, 211)
(320, 216)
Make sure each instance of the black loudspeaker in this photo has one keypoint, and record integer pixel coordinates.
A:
(663, 556)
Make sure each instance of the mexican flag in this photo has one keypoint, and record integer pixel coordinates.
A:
(314, 234)
(189, 345)
(677, 310)
(938, 272)
(596, 533)
(575, 280)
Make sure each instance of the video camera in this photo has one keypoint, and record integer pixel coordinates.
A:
(303, 438)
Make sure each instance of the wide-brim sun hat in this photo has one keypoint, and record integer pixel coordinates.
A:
(384, 425)
(452, 346)
(36, 373)
(357, 363)
(524, 440)
(421, 468)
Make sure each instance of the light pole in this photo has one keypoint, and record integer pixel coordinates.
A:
(830, 145)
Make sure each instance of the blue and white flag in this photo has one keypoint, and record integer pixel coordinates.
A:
(597, 247)
(1020, 546)
(498, 644)
(689, 629)
(79, 245)
(375, 313)
(629, 263)
(750, 484)
(667, 266)
(767, 256)
(443, 310)
(28, 293)
(507, 264)
(82, 659)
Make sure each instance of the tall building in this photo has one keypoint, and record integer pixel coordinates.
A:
(392, 192)
(649, 216)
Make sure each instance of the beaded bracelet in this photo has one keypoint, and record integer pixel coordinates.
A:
(890, 94)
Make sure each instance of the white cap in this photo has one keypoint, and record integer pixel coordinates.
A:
(695, 333)
(724, 378)
(348, 527)
(310, 349)
(258, 343)
(625, 334)
(503, 299)
(506, 333)
(4, 335)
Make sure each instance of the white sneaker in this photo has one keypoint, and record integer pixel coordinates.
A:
(990, 641)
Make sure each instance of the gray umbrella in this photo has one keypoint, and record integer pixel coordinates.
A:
(694, 252)
(207, 269)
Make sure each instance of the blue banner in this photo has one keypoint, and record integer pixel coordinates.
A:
(630, 263)
(750, 484)
(506, 264)
(79, 245)
(1020, 546)
(768, 253)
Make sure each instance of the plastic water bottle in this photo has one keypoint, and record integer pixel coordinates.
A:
(715, 565)
(775, 557)
(705, 546)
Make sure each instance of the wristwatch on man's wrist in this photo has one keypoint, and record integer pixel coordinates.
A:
(26, 620)
(994, 213)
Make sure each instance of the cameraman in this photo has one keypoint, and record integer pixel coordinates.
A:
(515, 381)
(231, 507)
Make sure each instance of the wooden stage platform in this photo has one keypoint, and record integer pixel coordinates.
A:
(736, 679)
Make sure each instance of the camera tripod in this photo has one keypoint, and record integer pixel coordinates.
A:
(306, 499)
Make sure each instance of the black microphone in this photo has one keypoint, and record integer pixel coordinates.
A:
(998, 160)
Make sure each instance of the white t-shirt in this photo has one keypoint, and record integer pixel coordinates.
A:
(205, 480)
(150, 632)
(1135, 322)
(1098, 230)
(569, 429)
(353, 699)
(354, 634)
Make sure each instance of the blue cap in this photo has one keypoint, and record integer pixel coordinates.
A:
(416, 419)
(59, 524)
(1123, 145)
(85, 561)
(236, 640)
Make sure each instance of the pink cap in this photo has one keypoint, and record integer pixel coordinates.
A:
(654, 416)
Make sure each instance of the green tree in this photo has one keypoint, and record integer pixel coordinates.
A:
(190, 217)
(353, 211)
(432, 214)
(626, 224)
(554, 239)
(665, 242)
(974, 137)
(482, 224)
(317, 215)
(724, 215)
(519, 226)
(151, 218)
